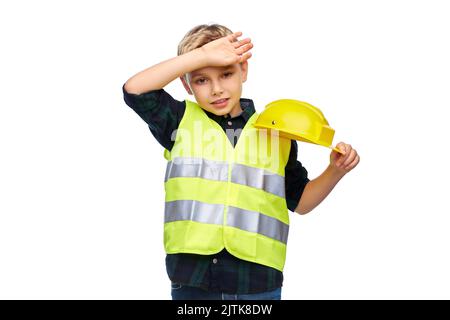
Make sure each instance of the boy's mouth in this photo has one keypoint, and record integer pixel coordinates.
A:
(221, 102)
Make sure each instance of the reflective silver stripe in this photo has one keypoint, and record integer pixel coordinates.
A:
(194, 211)
(258, 178)
(218, 171)
(197, 167)
(258, 223)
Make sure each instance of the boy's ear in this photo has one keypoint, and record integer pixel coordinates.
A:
(186, 86)
(244, 70)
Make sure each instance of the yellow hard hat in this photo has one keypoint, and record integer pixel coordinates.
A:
(297, 120)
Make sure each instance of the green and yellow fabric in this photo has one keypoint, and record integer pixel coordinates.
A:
(219, 196)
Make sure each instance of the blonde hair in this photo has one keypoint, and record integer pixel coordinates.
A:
(201, 35)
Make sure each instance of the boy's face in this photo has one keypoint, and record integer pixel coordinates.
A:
(211, 84)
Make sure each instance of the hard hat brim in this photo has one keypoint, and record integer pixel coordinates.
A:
(295, 136)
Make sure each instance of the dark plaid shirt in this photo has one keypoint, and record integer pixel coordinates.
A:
(221, 272)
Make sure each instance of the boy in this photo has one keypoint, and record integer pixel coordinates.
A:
(226, 220)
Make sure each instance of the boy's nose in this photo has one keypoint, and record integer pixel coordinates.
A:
(217, 89)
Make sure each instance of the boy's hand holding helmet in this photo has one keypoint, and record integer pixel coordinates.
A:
(344, 162)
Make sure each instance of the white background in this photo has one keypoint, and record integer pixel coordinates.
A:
(81, 176)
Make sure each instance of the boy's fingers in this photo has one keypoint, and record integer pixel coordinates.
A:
(235, 35)
(239, 43)
(341, 146)
(350, 158)
(353, 164)
(346, 148)
(245, 48)
(339, 159)
(245, 57)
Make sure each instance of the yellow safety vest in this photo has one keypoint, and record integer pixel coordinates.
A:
(219, 196)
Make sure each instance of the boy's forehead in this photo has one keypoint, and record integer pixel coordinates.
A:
(205, 71)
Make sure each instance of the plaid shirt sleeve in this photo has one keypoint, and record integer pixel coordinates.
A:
(159, 110)
(296, 178)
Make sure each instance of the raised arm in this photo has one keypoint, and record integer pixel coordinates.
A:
(220, 52)
(158, 76)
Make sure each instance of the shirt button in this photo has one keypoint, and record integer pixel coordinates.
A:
(214, 260)
(230, 123)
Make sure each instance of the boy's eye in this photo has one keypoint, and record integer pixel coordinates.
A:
(198, 81)
(203, 80)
